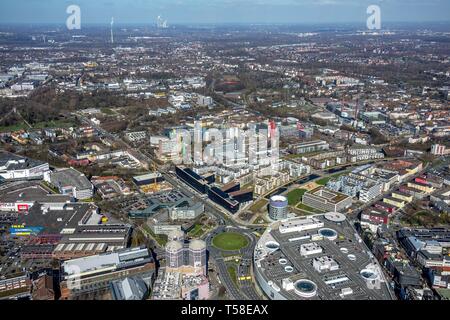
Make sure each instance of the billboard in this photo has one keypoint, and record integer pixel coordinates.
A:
(22, 207)
(21, 230)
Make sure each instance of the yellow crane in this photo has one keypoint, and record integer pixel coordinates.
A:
(155, 186)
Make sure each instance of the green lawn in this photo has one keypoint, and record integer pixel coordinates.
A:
(160, 238)
(257, 206)
(54, 124)
(196, 231)
(107, 111)
(295, 196)
(233, 274)
(325, 180)
(39, 125)
(445, 293)
(230, 241)
(15, 127)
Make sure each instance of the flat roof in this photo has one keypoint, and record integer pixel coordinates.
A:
(148, 176)
(110, 260)
(283, 264)
(330, 195)
(32, 193)
(17, 162)
(54, 221)
(70, 177)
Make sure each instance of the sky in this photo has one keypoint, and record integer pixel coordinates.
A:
(223, 11)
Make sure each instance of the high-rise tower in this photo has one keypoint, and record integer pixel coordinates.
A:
(160, 23)
(112, 31)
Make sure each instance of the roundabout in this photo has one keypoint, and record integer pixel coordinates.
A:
(230, 241)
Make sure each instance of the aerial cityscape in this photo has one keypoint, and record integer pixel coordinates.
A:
(212, 154)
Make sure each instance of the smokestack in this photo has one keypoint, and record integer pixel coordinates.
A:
(112, 32)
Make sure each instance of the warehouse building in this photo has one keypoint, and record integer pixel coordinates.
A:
(92, 274)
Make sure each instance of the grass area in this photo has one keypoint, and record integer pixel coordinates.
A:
(304, 207)
(233, 274)
(197, 231)
(14, 127)
(160, 238)
(39, 125)
(54, 124)
(445, 293)
(107, 111)
(295, 196)
(229, 241)
(257, 206)
(426, 218)
(325, 180)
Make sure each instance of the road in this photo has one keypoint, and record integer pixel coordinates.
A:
(355, 213)
(246, 290)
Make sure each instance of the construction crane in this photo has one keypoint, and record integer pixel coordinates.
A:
(155, 186)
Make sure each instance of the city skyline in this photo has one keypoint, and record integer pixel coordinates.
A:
(226, 11)
(235, 151)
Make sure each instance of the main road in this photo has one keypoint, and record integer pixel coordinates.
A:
(246, 291)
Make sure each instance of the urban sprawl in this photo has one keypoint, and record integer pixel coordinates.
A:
(94, 206)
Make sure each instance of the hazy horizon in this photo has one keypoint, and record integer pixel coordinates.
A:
(182, 12)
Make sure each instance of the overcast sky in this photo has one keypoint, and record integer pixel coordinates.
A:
(223, 11)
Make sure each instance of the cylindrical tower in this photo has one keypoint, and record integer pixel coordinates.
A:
(175, 235)
(278, 208)
(174, 254)
(197, 254)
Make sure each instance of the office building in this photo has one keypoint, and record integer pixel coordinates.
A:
(174, 254)
(311, 146)
(186, 211)
(439, 150)
(325, 200)
(197, 254)
(278, 208)
(231, 199)
(204, 101)
(188, 258)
